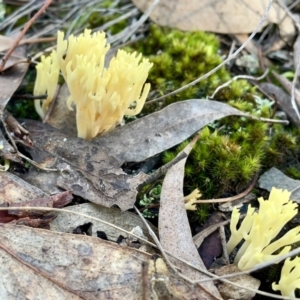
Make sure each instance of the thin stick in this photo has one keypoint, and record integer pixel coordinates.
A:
(230, 199)
(239, 77)
(224, 244)
(26, 27)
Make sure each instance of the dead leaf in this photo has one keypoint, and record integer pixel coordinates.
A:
(174, 229)
(20, 134)
(62, 199)
(40, 222)
(12, 76)
(229, 291)
(17, 191)
(162, 130)
(88, 171)
(230, 16)
(42, 180)
(287, 85)
(61, 117)
(283, 100)
(41, 264)
(150, 135)
(8, 152)
(275, 178)
(85, 169)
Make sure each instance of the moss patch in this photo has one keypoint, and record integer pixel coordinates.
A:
(230, 151)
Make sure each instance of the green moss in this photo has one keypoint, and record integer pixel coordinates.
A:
(202, 213)
(180, 57)
(223, 160)
(293, 172)
(283, 147)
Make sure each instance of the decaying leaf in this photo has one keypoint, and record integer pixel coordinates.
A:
(5, 42)
(174, 229)
(149, 135)
(17, 191)
(20, 134)
(85, 169)
(61, 117)
(228, 291)
(211, 247)
(41, 264)
(288, 86)
(7, 151)
(230, 16)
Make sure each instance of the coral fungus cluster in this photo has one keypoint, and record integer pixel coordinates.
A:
(102, 96)
(259, 232)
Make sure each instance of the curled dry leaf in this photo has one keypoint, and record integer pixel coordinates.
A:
(174, 229)
(17, 192)
(7, 151)
(20, 134)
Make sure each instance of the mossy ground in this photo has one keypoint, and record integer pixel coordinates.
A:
(229, 151)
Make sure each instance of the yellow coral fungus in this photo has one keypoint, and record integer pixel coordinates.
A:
(46, 81)
(191, 200)
(102, 96)
(258, 229)
(289, 279)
